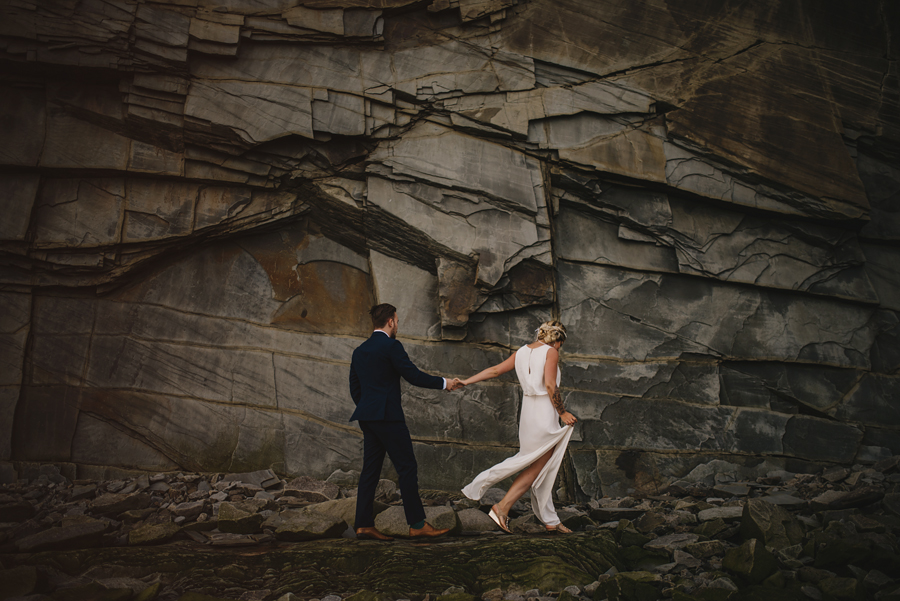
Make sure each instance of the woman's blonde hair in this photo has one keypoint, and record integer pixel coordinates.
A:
(551, 331)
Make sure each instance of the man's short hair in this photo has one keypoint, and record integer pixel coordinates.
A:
(381, 314)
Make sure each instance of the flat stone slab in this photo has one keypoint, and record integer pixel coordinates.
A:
(670, 542)
(785, 500)
(732, 490)
(261, 478)
(153, 534)
(85, 534)
(725, 513)
(311, 490)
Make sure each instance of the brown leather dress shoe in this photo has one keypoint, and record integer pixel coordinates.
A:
(371, 533)
(427, 530)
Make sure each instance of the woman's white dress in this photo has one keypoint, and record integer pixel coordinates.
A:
(539, 431)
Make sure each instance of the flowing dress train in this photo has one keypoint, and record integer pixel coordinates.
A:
(539, 431)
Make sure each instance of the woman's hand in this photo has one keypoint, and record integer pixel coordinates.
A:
(568, 419)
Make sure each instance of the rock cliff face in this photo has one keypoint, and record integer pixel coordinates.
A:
(202, 198)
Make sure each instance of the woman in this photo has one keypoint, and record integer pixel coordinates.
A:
(542, 443)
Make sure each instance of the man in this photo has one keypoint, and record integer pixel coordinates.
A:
(375, 372)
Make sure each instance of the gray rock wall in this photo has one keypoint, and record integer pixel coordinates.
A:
(202, 199)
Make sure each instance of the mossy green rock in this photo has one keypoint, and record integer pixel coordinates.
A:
(153, 534)
(629, 586)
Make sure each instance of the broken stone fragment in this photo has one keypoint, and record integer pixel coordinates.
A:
(188, 510)
(85, 534)
(670, 542)
(311, 490)
(153, 534)
(750, 561)
(722, 513)
(239, 518)
(704, 549)
(309, 525)
(770, 523)
(114, 504)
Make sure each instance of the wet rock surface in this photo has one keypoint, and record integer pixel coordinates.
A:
(72, 548)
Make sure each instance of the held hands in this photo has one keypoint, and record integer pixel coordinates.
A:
(568, 419)
(454, 384)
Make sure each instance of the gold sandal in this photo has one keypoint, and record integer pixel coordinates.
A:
(558, 528)
(501, 519)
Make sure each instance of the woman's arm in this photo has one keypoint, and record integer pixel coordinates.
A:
(550, 383)
(493, 372)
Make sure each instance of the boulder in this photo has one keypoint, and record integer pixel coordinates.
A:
(771, 524)
(344, 479)
(310, 525)
(239, 518)
(492, 496)
(343, 509)
(475, 520)
(392, 521)
(311, 490)
(750, 561)
(636, 586)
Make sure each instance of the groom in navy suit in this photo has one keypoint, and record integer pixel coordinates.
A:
(375, 372)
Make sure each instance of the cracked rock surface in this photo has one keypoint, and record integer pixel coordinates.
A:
(202, 199)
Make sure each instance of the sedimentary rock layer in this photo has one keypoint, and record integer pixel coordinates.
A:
(202, 200)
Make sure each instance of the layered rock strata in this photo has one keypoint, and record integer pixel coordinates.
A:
(203, 198)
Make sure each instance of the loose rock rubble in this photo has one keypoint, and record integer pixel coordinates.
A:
(831, 535)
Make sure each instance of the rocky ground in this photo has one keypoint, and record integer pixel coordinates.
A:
(255, 536)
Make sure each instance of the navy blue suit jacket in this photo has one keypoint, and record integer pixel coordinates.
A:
(375, 372)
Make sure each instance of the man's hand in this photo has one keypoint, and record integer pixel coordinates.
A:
(454, 384)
